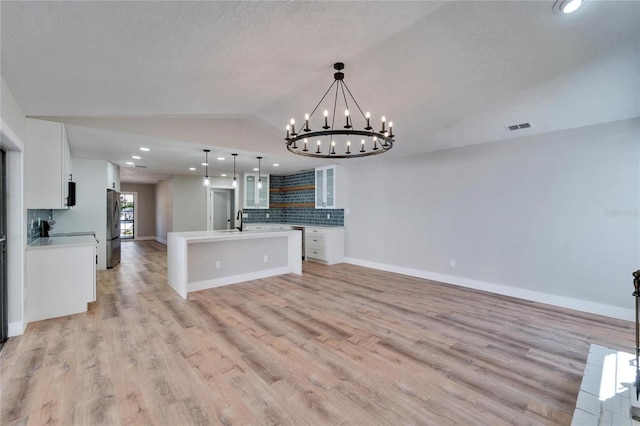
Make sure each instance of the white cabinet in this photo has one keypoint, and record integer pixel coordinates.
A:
(254, 197)
(47, 165)
(113, 177)
(59, 281)
(267, 227)
(328, 193)
(324, 245)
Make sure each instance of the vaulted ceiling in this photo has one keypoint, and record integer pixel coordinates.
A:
(179, 77)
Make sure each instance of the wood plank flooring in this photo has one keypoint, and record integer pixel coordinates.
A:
(338, 345)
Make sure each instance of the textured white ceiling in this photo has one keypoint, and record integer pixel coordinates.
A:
(183, 76)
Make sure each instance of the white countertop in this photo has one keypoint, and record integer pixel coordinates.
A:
(56, 242)
(193, 236)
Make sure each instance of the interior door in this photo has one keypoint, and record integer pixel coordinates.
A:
(4, 319)
(221, 209)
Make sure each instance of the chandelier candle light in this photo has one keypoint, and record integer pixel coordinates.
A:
(372, 142)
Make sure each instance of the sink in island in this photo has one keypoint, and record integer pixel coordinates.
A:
(199, 260)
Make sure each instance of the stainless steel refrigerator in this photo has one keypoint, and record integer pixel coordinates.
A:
(113, 228)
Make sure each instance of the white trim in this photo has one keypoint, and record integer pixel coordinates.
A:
(520, 293)
(161, 240)
(16, 328)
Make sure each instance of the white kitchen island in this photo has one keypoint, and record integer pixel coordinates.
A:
(205, 259)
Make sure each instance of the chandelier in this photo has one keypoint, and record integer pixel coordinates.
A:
(345, 141)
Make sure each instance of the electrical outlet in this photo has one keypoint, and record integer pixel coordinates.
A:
(218, 264)
(245, 215)
(328, 215)
(266, 258)
(267, 215)
(452, 263)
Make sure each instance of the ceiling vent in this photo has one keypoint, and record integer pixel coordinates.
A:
(519, 126)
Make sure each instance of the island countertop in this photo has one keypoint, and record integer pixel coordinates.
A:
(226, 234)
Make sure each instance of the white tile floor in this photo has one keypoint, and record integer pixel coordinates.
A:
(606, 389)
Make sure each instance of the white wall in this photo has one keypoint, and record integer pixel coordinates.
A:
(12, 137)
(90, 211)
(164, 210)
(189, 200)
(551, 217)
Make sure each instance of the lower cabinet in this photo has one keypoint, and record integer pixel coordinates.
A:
(324, 245)
(60, 281)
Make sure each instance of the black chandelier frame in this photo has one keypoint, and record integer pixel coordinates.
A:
(382, 140)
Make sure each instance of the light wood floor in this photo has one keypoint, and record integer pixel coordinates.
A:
(337, 345)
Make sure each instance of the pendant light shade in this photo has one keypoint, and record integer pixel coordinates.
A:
(206, 181)
(259, 176)
(235, 180)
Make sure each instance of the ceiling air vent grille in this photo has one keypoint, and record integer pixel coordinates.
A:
(519, 126)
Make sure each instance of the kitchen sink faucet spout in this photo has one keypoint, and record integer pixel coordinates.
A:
(239, 217)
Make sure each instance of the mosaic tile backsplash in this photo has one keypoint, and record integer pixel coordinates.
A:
(295, 215)
(34, 225)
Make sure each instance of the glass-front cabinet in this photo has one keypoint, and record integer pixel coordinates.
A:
(254, 197)
(327, 195)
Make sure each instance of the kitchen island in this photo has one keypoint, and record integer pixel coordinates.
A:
(205, 259)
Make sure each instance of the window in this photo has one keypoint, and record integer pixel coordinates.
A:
(127, 215)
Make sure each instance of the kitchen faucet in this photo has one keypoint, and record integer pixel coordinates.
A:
(239, 217)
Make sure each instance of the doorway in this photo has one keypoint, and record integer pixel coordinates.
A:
(128, 202)
(221, 209)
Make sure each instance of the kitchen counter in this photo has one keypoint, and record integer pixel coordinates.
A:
(205, 259)
(71, 241)
(61, 276)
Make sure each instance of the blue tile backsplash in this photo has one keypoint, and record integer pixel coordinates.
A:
(34, 222)
(295, 215)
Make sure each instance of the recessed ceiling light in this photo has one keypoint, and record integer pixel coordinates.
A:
(567, 6)
(205, 164)
(224, 175)
(192, 168)
(276, 165)
(220, 158)
(142, 148)
(130, 163)
(136, 157)
(255, 169)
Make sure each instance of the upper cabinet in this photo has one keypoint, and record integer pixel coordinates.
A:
(113, 177)
(254, 197)
(328, 192)
(47, 165)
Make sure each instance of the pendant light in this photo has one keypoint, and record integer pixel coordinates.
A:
(205, 181)
(259, 177)
(235, 181)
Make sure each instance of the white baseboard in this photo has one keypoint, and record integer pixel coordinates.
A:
(535, 296)
(126, 240)
(161, 240)
(16, 328)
